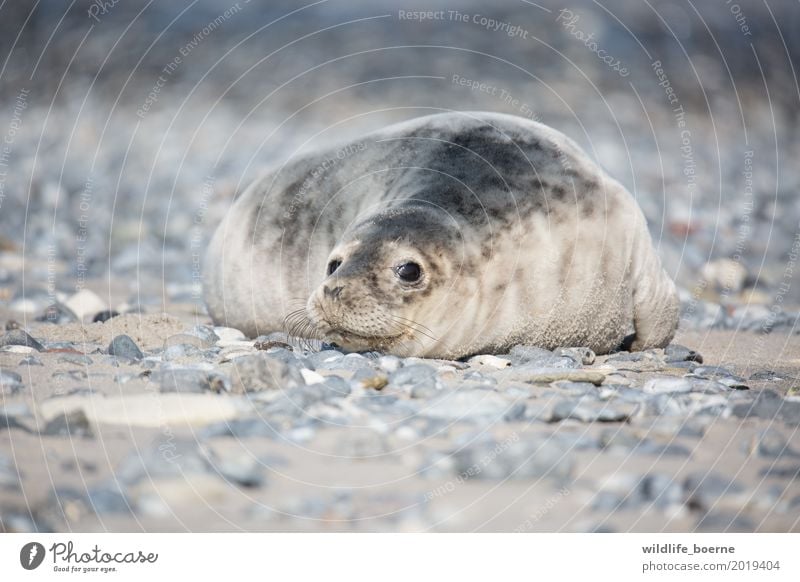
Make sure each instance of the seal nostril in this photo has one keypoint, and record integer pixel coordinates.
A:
(332, 293)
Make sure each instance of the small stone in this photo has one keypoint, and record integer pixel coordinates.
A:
(57, 314)
(104, 315)
(76, 359)
(176, 458)
(769, 405)
(190, 380)
(10, 383)
(473, 404)
(489, 361)
(185, 339)
(368, 378)
(264, 344)
(593, 410)
(724, 522)
(262, 371)
(123, 346)
(704, 490)
(389, 364)
(549, 375)
(521, 354)
(85, 302)
(771, 444)
(9, 477)
(242, 469)
(409, 376)
(181, 352)
(714, 372)
(677, 353)
(791, 472)
(667, 385)
(311, 377)
(148, 410)
(19, 337)
(228, 334)
(30, 361)
(584, 356)
(206, 333)
(72, 424)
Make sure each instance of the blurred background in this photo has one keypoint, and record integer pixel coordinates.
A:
(128, 125)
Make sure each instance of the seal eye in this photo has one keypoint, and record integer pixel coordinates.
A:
(332, 266)
(409, 272)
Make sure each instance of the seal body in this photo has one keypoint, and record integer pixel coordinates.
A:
(443, 236)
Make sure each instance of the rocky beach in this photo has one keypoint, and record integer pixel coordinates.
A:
(126, 134)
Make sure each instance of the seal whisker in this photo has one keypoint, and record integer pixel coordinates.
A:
(411, 326)
(412, 322)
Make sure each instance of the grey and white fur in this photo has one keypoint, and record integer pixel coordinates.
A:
(518, 236)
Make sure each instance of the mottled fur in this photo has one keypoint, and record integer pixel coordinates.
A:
(522, 239)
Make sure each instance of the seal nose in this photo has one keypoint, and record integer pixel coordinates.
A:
(332, 293)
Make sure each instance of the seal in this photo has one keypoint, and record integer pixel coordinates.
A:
(444, 236)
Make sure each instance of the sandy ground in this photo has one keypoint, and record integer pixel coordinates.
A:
(312, 486)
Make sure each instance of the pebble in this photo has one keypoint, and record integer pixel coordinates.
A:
(263, 371)
(667, 385)
(769, 405)
(521, 354)
(31, 361)
(241, 468)
(104, 315)
(57, 314)
(473, 404)
(72, 424)
(674, 353)
(584, 356)
(123, 346)
(725, 522)
(592, 410)
(10, 383)
(9, 478)
(19, 337)
(76, 359)
(190, 380)
(228, 334)
(138, 409)
(549, 375)
(703, 490)
(409, 376)
(85, 302)
(489, 361)
(771, 444)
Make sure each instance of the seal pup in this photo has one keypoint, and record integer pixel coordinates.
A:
(444, 236)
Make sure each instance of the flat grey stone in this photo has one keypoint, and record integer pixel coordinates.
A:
(593, 410)
(71, 424)
(123, 346)
(19, 337)
(263, 371)
(190, 380)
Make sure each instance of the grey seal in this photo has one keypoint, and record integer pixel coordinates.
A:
(444, 236)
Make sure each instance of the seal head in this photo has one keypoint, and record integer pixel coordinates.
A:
(386, 275)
